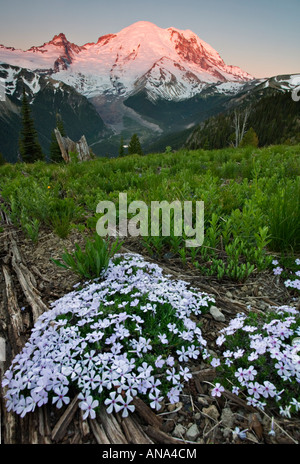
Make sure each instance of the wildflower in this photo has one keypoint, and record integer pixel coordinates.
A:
(193, 352)
(277, 270)
(163, 339)
(275, 262)
(88, 405)
(272, 431)
(251, 372)
(111, 402)
(239, 353)
(240, 374)
(235, 390)
(268, 389)
(124, 405)
(217, 390)
(156, 400)
(285, 412)
(239, 433)
(185, 373)
(297, 261)
(255, 389)
(183, 355)
(61, 398)
(172, 376)
(215, 362)
(159, 362)
(173, 395)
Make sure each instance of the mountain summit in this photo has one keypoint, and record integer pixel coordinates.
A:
(167, 63)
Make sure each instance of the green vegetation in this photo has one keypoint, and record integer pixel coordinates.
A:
(274, 119)
(89, 263)
(251, 201)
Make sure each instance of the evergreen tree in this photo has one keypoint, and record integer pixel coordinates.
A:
(30, 149)
(121, 148)
(134, 146)
(250, 139)
(55, 153)
(2, 159)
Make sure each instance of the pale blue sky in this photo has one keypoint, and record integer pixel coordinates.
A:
(262, 36)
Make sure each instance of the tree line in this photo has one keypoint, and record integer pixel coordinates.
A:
(30, 149)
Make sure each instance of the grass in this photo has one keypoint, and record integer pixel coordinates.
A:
(251, 201)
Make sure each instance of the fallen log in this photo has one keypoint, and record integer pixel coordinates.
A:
(112, 428)
(99, 432)
(63, 423)
(15, 325)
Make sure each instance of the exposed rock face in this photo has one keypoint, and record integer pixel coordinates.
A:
(68, 147)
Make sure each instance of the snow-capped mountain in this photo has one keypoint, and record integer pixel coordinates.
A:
(168, 63)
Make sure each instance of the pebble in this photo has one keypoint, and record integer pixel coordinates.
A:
(212, 412)
(179, 431)
(227, 418)
(216, 314)
(192, 433)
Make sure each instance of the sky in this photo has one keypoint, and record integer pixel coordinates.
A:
(260, 36)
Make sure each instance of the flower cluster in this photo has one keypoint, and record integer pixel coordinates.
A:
(291, 279)
(261, 359)
(122, 335)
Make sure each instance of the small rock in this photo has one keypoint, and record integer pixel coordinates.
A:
(216, 314)
(228, 294)
(179, 431)
(192, 433)
(212, 412)
(171, 407)
(202, 401)
(227, 418)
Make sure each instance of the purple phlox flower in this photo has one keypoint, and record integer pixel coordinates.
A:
(91, 380)
(112, 402)
(220, 340)
(268, 389)
(193, 352)
(217, 390)
(159, 362)
(255, 389)
(124, 405)
(277, 270)
(239, 433)
(239, 353)
(173, 395)
(61, 397)
(251, 373)
(163, 339)
(144, 370)
(154, 383)
(172, 328)
(185, 373)
(172, 376)
(88, 405)
(241, 375)
(215, 362)
(170, 361)
(183, 355)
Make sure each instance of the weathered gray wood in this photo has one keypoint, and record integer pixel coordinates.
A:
(67, 146)
(112, 428)
(99, 432)
(63, 423)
